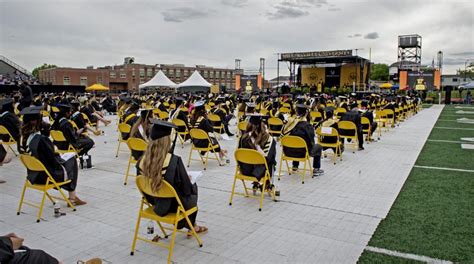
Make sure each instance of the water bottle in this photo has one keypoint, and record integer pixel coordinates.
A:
(57, 211)
(150, 230)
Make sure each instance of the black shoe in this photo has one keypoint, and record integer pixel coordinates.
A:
(230, 134)
(361, 148)
(317, 172)
(294, 169)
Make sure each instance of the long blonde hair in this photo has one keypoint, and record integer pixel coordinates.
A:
(154, 159)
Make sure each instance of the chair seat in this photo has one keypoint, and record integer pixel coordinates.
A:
(169, 218)
(247, 177)
(45, 186)
(293, 158)
(207, 148)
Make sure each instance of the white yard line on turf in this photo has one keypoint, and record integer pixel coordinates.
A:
(446, 141)
(406, 255)
(441, 168)
(454, 128)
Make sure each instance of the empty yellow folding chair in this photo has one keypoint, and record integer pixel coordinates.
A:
(348, 130)
(366, 128)
(390, 117)
(199, 134)
(146, 211)
(11, 141)
(242, 126)
(298, 143)
(182, 135)
(58, 137)
(33, 164)
(251, 157)
(123, 128)
(134, 144)
(322, 134)
(273, 124)
(382, 122)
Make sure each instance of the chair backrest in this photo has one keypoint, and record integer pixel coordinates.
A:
(284, 110)
(4, 131)
(54, 109)
(32, 163)
(242, 125)
(316, 115)
(86, 118)
(124, 128)
(179, 123)
(346, 125)
(166, 190)
(275, 121)
(197, 133)
(57, 135)
(263, 111)
(214, 118)
(163, 115)
(293, 142)
(365, 122)
(137, 144)
(389, 113)
(320, 133)
(250, 156)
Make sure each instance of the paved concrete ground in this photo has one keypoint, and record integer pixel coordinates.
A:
(329, 219)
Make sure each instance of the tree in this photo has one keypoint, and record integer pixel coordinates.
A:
(379, 72)
(42, 67)
(468, 72)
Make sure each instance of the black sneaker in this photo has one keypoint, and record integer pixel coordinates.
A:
(317, 172)
(361, 148)
(294, 169)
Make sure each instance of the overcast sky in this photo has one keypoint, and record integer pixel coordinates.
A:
(78, 33)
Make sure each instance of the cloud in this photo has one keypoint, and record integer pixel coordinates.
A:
(235, 3)
(334, 9)
(286, 11)
(463, 54)
(180, 14)
(372, 35)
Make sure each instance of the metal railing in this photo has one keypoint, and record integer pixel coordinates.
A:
(16, 66)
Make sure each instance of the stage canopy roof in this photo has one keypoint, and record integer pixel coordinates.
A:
(321, 57)
(195, 80)
(159, 80)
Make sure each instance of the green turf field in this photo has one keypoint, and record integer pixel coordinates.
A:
(433, 214)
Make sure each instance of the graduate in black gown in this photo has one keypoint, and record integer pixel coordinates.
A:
(158, 164)
(41, 147)
(200, 120)
(300, 127)
(222, 111)
(256, 137)
(80, 142)
(11, 242)
(181, 113)
(9, 120)
(130, 117)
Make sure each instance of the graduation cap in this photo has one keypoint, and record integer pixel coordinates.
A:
(199, 105)
(31, 113)
(300, 99)
(364, 103)
(250, 106)
(75, 103)
(255, 118)
(161, 129)
(135, 105)
(179, 100)
(353, 104)
(64, 107)
(145, 112)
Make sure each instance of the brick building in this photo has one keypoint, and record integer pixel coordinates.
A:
(130, 75)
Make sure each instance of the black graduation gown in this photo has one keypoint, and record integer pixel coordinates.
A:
(82, 143)
(259, 170)
(305, 131)
(177, 176)
(42, 148)
(12, 123)
(206, 125)
(129, 119)
(78, 119)
(3, 153)
(8, 256)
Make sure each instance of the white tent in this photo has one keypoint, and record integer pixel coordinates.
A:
(159, 80)
(469, 85)
(195, 81)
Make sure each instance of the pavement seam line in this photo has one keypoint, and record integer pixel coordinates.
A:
(406, 255)
(442, 168)
(454, 128)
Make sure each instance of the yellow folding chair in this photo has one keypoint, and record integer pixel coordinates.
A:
(199, 134)
(390, 117)
(299, 143)
(146, 211)
(11, 141)
(316, 117)
(216, 123)
(382, 122)
(163, 116)
(123, 128)
(251, 157)
(134, 144)
(242, 126)
(340, 111)
(285, 110)
(348, 130)
(182, 135)
(272, 123)
(33, 164)
(335, 145)
(366, 128)
(58, 137)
